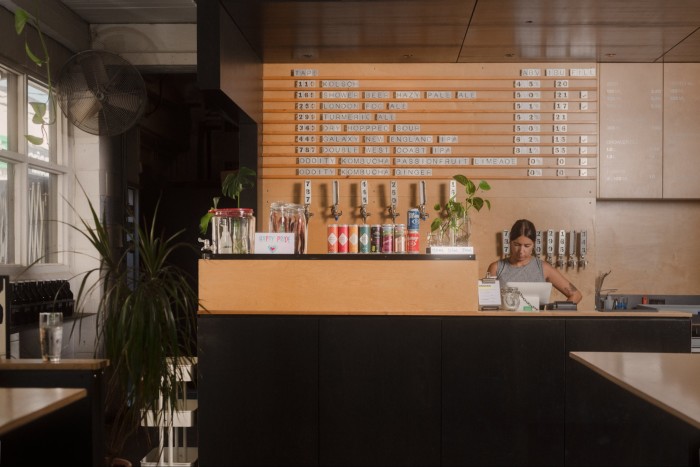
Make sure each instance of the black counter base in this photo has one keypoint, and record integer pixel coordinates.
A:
(419, 390)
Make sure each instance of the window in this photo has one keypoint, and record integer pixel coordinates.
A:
(32, 174)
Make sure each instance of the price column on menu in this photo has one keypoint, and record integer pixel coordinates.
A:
(551, 143)
(495, 121)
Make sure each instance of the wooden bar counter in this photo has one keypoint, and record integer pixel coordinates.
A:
(303, 375)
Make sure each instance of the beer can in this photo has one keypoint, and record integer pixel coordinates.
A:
(342, 238)
(400, 238)
(352, 238)
(387, 238)
(413, 241)
(375, 239)
(413, 219)
(332, 237)
(364, 238)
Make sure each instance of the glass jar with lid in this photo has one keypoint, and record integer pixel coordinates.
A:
(290, 217)
(510, 298)
(233, 230)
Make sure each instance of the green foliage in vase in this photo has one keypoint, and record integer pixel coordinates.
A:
(452, 212)
(232, 187)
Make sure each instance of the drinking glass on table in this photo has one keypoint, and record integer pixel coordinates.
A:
(51, 336)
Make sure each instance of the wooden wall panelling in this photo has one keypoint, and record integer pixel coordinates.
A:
(528, 131)
(631, 130)
(642, 244)
(681, 163)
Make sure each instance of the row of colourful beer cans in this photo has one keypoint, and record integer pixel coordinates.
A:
(376, 238)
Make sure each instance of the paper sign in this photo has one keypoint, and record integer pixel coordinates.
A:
(272, 243)
(489, 293)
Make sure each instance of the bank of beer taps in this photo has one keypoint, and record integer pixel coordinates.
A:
(392, 209)
(571, 247)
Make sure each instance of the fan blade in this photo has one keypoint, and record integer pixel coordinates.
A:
(82, 108)
(94, 71)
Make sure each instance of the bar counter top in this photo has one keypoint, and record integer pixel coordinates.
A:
(64, 364)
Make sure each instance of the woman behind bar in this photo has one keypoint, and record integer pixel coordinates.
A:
(522, 266)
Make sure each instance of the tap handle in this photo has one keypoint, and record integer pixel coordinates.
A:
(335, 212)
(307, 212)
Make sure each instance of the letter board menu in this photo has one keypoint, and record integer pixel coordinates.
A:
(430, 121)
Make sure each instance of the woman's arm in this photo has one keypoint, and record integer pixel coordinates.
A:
(561, 283)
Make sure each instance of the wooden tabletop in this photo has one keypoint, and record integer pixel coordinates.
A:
(64, 364)
(670, 381)
(19, 406)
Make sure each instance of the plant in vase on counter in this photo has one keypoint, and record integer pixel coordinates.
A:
(232, 229)
(453, 226)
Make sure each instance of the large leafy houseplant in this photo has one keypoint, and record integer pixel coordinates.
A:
(452, 226)
(143, 321)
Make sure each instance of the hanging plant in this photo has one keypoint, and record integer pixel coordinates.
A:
(22, 18)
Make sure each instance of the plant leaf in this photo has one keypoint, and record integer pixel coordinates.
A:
(461, 179)
(21, 18)
(484, 185)
(39, 108)
(31, 55)
(471, 188)
(35, 140)
(435, 224)
(204, 222)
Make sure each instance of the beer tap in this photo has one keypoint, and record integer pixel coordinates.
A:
(561, 252)
(335, 212)
(538, 244)
(550, 246)
(393, 212)
(573, 260)
(582, 250)
(364, 194)
(421, 206)
(307, 200)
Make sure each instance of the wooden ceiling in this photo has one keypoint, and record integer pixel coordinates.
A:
(458, 31)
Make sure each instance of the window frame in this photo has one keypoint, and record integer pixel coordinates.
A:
(17, 155)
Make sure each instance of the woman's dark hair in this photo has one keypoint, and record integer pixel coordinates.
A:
(523, 228)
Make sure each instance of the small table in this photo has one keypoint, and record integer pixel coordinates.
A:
(20, 406)
(87, 374)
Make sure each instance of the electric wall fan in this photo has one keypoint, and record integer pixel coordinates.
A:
(100, 92)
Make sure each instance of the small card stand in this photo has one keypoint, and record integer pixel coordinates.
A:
(489, 294)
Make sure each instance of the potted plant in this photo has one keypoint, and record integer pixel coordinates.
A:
(232, 187)
(453, 225)
(145, 320)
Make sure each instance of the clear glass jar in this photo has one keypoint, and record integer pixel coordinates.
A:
(510, 298)
(233, 231)
(290, 217)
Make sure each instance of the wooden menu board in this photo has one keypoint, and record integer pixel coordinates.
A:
(381, 121)
(631, 130)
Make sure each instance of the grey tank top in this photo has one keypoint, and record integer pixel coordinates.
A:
(531, 272)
